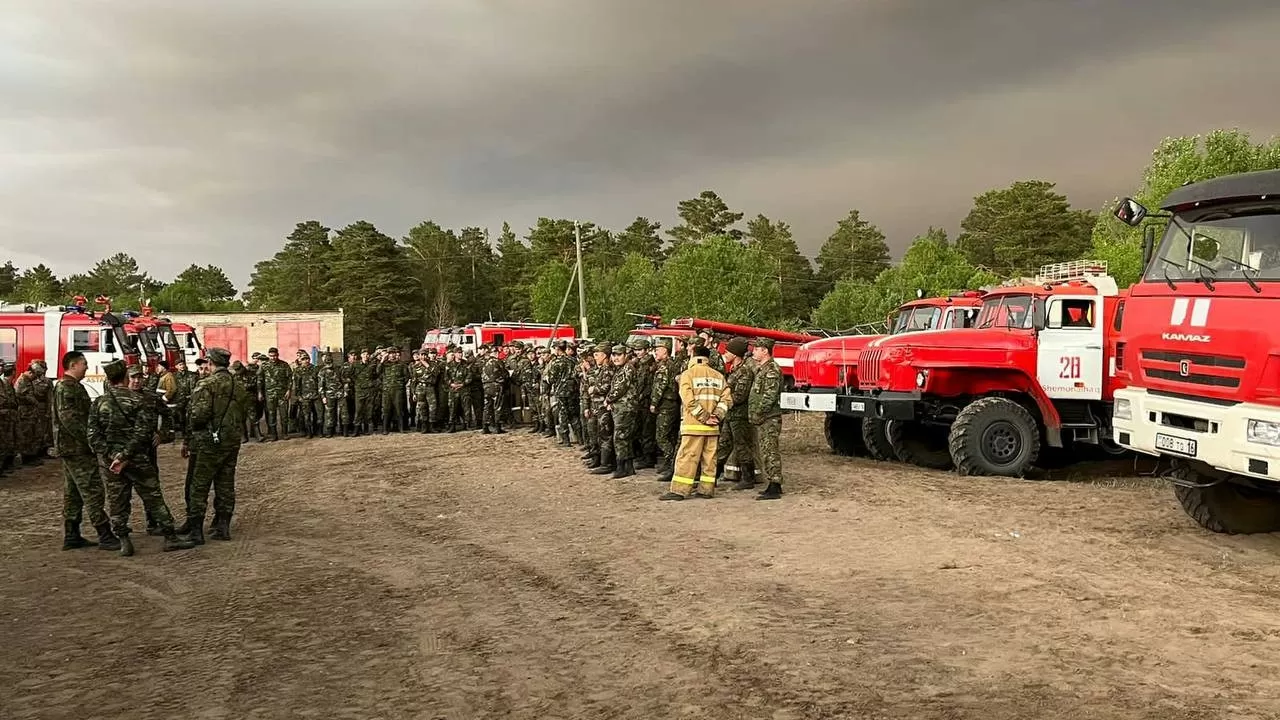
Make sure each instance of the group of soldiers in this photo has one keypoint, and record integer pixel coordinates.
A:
(25, 431)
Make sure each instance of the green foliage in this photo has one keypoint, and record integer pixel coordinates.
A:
(1177, 161)
(613, 293)
(794, 281)
(549, 285)
(514, 268)
(295, 277)
(8, 279)
(720, 278)
(855, 251)
(704, 216)
(38, 285)
(1017, 229)
(931, 264)
(366, 280)
(640, 237)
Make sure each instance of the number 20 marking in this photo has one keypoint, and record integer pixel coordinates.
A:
(1070, 368)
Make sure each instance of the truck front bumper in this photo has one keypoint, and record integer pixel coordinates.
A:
(1216, 435)
(892, 405)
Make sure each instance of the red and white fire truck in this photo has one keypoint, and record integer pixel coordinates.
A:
(46, 333)
(160, 338)
(1038, 368)
(826, 371)
(786, 343)
(469, 337)
(1200, 355)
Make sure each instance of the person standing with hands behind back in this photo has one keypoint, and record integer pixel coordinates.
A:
(764, 412)
(217, 410)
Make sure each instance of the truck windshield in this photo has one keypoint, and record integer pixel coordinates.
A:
(1007, 311)
(169, 338)
(917, 318)
(1236, 245)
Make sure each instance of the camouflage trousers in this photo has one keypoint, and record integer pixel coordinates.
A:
(335, 414)
(532, 404)
(137, 476)
(214, 467)
(492, 405)
(428, 407)
(666, 429)
(546, 405)
(393, 408)
(455, 404)
(600, 432)
(310, 414)
(568, 420)
(767, 447)
(364, 409)
(273, 404)
(737, 448)
(624, 432)
(646, 440)
(82, 490)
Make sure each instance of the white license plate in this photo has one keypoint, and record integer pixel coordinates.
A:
(794, 401)
(1182, 446)
(857, 406)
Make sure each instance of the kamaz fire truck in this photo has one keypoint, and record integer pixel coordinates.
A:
(469, 337)
(1037, 368)
(786, 343)
(826, 372)
(1202, 350)
(47, 333)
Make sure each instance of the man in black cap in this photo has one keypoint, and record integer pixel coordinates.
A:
(217, 413)
(734, 452)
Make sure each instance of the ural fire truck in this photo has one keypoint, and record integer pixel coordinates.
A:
(1037, 368)
(46, 334)
(469, 337)
(1202, 350)
(826, 372)
(786, 344)
(159, 338)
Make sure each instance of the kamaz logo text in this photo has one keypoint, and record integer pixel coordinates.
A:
(1184, 337)
(1199, 311)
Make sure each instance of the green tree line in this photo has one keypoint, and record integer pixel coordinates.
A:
(715, 262)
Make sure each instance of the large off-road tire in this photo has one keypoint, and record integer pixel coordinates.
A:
(1226, 507)
(875, 438)
(915, 443)
(844, 435)
(994, 436)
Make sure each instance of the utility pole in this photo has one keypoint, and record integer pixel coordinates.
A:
(582, 287)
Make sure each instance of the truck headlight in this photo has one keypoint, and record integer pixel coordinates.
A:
(1263, 432)
(1122, 410)
(922, 377)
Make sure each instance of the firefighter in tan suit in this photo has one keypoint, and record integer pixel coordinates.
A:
(704, 399)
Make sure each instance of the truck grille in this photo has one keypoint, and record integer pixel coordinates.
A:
(1223, 371)
(868, 369)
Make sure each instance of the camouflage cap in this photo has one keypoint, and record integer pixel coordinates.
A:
(237, 366)
(114, 370)
(273, 350)
(602, 347)
(697, 341)
(135, 370)
(639, 343)
(663, 343)
(218, 356)
(37, 365)
(619, 349)
(764, 342)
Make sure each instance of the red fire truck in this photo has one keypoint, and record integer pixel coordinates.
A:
(160, 338)
(826, 371)
(1037, 368)
(786, 344)
(469, 337)
(1202, 352)
(33, 333)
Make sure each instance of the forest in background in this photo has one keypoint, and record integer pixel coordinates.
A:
(717, 262)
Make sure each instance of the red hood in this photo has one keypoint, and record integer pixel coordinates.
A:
(890, 364)
(821, 363)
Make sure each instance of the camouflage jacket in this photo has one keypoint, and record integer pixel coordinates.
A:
(599, 380)
(666, 383)
(329, 382)
(8, 401)
(456, 375)
(248, 379)
(624, 391)
(276, 378)
(306, 383)
(71, 417)
(217, 404)
(766, 394)
(122, 423)
(526, 372)
(151, 381)
(186, 382)
(493, 373)
(560, 376)
(32, 394)
(395, 377)
(739, 381)
(364, 378)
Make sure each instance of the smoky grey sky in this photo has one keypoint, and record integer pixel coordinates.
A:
(202, 131)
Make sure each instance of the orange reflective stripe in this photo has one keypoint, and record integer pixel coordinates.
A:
(695, 427)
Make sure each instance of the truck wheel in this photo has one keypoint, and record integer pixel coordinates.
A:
(1226, 507)
(994, 436)
(844, 435)
(915, 443)
(876, 439)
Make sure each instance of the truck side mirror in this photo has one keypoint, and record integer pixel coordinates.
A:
(1148, 245)
(1130, 212)
(1038, 311)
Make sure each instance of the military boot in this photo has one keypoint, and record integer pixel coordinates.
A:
(107, 540)
(644, 462)
(593, 461)
(626, 468)
(152, 528)
(195, 529)
(220, 529)
(497, 429)
(71, 537)
(772, 492)
(587, 455)
(126, 544)
(666, 469)
(173, 542)
(606, 465)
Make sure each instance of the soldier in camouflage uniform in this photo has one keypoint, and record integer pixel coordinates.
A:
(329, 384)
(456, 374)
(734, 453)
(82, 489)
(493, 377)
(184, 381)
(34, 427)
(121, 428)
(559, 375)
(586, 366)
(217, 414)
(623, 401)
(395, 381)
(306, 393)
(275, 389)
(346, 373)
(252, 382)
(713, 359)
(364, 381)
(646, 445)
(425, 390)
(599, 419)
(475, 392)
(664, 407)
(764, 412)
(8, 419)
(534, 384)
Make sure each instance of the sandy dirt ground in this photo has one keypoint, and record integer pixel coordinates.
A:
(472, 576)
